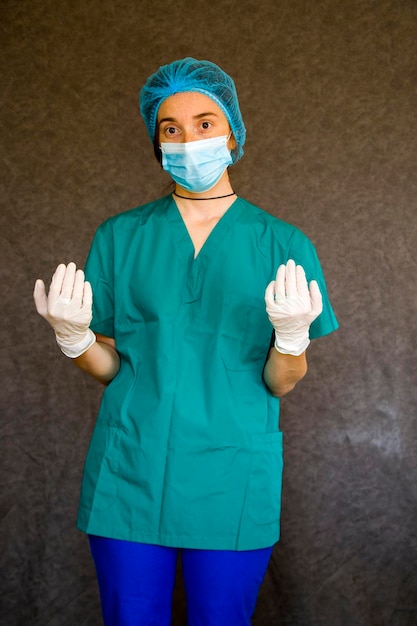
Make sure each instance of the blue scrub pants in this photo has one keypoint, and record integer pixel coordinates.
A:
(136, 583)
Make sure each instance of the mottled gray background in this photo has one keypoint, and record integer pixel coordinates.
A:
(328, 94)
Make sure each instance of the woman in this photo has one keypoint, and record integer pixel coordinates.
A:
(187, 453)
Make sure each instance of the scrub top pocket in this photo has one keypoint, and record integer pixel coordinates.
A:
(263, 499)
(99, 481)
(207, 485)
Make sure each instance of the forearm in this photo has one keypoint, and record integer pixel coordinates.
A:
(283, 371)
(101, 361)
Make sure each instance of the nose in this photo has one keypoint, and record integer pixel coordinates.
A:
(188, 135)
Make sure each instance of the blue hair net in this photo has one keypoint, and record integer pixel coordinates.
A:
(191, 75)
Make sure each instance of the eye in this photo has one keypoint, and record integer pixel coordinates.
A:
(205, 126)
(169, 132)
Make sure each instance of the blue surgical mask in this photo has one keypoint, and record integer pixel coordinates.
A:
(196, 165)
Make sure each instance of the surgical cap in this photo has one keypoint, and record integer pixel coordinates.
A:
(192, 75)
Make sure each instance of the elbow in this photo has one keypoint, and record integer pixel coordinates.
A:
(282, 390)
(282, 385)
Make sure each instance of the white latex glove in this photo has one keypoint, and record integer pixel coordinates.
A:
(67, 308)
(292, 307)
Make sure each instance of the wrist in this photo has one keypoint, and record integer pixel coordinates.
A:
(74, 350)
(294, 346)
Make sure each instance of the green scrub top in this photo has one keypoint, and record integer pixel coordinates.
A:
(187, 451)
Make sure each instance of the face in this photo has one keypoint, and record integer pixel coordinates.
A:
(191, 116)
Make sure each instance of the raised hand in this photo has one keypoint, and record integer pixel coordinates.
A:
(67, 308)
(292, 306)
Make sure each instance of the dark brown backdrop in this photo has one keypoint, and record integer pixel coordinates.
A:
(328, 94)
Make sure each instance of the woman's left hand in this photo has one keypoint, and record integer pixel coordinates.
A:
(292, 305)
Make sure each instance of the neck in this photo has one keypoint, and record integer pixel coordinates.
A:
(191, 206)
(227, 195)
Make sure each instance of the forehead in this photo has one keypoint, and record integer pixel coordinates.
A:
(190, 104)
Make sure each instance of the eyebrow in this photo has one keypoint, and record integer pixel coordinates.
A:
(196, 117)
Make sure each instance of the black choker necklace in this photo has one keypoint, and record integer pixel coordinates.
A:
(215, 198)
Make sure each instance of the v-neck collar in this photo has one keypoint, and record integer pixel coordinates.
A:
(215, 237)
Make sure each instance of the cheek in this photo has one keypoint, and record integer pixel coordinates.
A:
(231, 144)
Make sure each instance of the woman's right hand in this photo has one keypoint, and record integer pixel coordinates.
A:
(67, 308)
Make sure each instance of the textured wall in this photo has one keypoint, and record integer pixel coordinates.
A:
(328, 94)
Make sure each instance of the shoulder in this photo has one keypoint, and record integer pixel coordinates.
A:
(133, 218)
(271, 227)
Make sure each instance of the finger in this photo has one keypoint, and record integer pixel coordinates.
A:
(316, 298)
(290, 279)
(56, 283)
(280, 291)
(87, 296)
(78, 289)
(270, 294)
(68, 282)
(302, 285)
(39, 296)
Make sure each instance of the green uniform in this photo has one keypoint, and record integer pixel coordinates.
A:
(187, 450)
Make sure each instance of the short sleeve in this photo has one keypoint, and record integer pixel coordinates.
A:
(304, 253)
(99, 271)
